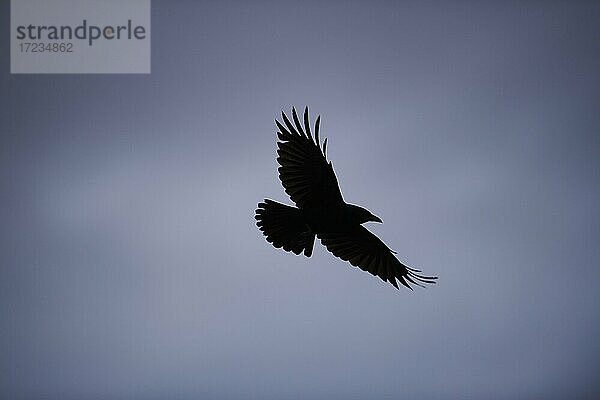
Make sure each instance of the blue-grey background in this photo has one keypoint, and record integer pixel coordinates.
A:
(131, 266)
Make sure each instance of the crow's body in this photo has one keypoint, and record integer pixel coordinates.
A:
(309, 180)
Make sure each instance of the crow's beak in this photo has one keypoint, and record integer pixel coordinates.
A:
(376, 219)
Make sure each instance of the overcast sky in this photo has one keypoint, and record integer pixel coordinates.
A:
(130, 265)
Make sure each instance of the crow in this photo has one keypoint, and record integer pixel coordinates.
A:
(308, 178)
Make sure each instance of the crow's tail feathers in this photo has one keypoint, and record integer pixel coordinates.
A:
(284, 226)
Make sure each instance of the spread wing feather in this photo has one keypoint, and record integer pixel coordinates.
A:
(366, 251)
(304, 171)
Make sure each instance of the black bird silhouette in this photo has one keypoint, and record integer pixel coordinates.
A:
(309, 180)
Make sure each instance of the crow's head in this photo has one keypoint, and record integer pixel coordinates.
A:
(361, 215)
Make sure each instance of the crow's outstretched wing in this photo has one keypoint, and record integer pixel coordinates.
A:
(367, 252)
(304, 172)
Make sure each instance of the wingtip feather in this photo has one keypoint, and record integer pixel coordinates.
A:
(297, 122)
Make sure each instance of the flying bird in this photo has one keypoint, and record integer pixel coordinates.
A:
(308, 178)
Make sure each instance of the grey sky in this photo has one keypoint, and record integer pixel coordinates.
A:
(131, 266)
